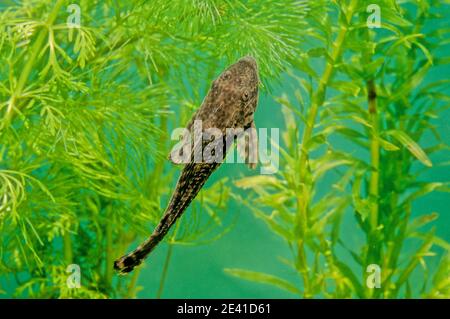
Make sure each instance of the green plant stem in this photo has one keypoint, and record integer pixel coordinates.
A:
(164, 273)
(374, 154)
(34, 52)
(374, 175)
(166, 264)
(132, 286)
(156, 178)
(159, 167)
(109, 248)
(395, 244)
(316, 102)
(319, 96)
(67, 247)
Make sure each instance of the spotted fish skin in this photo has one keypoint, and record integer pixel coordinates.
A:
(230, 103)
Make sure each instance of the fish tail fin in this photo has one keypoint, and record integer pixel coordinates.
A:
(128, 262)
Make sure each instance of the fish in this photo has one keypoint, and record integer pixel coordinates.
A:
(229, 105)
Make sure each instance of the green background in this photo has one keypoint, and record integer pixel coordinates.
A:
(198, 271)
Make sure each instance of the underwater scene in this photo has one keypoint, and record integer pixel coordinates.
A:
(224, 149)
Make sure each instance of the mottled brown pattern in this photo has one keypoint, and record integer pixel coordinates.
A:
(230, 103)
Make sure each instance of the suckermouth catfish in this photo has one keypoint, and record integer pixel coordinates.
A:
(230, 103)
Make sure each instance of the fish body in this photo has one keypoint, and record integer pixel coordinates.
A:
(229, 104)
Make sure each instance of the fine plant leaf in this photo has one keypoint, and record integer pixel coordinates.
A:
(411, 145)
(255, 181)
(388, 146)
(348, 273)
(263, 278)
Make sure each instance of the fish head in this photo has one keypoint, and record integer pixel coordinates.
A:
(237, 86)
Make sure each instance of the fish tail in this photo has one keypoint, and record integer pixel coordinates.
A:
(189, 184)
(128, 262)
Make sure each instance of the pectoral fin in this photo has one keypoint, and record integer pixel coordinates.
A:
(247, 145)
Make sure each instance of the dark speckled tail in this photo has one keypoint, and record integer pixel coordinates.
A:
(192, 179)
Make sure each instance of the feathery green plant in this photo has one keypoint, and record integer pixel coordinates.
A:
(84, 116)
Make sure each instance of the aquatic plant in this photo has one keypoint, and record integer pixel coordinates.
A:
(86, 111)
(373, 95)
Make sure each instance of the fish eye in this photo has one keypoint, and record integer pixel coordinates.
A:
(245, 96)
